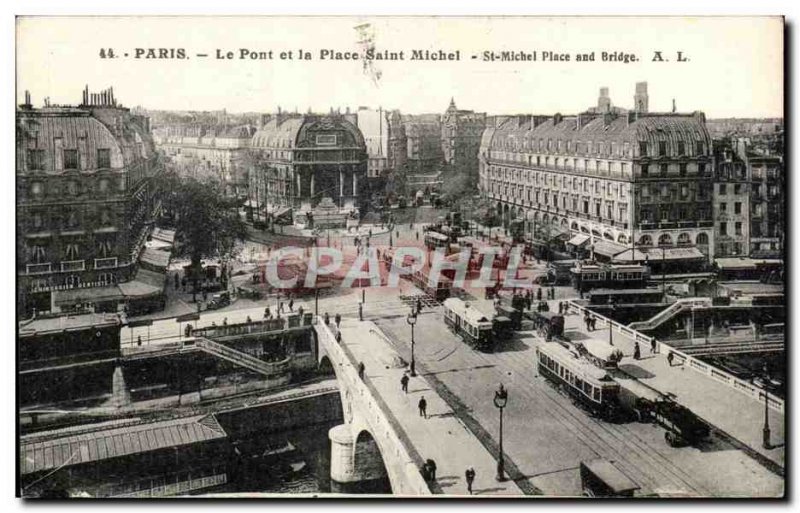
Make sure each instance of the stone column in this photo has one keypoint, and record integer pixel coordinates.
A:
(355, 184)
(312, 186)
(341, 183)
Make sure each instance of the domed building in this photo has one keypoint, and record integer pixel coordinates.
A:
(304, 160)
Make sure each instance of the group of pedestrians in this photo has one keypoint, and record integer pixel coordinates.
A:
(590, 321)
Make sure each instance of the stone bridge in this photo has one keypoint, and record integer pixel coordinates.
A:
(368, 452)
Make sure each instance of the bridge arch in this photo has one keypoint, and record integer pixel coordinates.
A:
(367, 457)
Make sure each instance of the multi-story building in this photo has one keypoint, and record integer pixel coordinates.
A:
(612, 180)
(424, 143)
(87, 197)
(731, 202)
(375, 128)
(217, 151)
(461, 138)
(397, 142)
(767, 199)
(302, 158)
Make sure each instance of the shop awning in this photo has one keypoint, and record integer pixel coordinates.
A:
(145, 283)
(608, 248)
(87, 295)
(676, 253)
(164, 235)
(578, 240)
(155, 258)
(630, 255)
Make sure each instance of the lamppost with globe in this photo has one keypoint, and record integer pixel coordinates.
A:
(500, 401)
(411, 320)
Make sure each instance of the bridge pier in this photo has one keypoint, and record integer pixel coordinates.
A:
(356, 462)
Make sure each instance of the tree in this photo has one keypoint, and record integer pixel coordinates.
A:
(207, 221)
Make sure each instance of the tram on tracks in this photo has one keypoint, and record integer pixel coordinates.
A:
(476, 257)
(469, 323)
(587, 276)
(440, 290)
(588, 371)
(434, 240)
(588, 385)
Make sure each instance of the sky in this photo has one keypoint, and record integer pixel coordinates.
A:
(734, 66)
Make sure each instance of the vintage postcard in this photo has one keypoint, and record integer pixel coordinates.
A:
(472, 257)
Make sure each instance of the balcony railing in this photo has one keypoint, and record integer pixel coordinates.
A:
(38, 268)
(105, 263)
(73, 265)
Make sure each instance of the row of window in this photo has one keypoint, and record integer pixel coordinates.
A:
(723, 228)
(669, 212)
(667, 190)
(68, 220)
(518, 177)
(615, 149)
(569, 202)
(38, 253)
(38, 188)
(665, 239)
(67, 159)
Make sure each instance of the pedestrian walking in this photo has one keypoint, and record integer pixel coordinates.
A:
(139, 340)
(538, 294)
(291, 305)
(339, 337)
(423, 407)
(404, 383)
(653, 345)
(417, 235)
(300, 311)
(327, 319)
(594, 323)
(637, 353)
(419, 305)
(361, 311)
(670, 357)
(280, 306)
(267, 313)
(225, 321)
(361, 369)
(338, 320)
(431, 469)
(470, 475)
(249, 320)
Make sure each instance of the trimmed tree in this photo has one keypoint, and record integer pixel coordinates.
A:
(207, 222)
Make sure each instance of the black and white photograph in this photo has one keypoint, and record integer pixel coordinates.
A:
(400, 257)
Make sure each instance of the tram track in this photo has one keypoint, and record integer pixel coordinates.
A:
(635, 455)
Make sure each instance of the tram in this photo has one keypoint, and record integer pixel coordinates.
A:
(587, 276)
(469, 323)
(476, 258)
(435, 239)
(592, 387)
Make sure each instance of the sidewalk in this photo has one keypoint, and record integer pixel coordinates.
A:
(736, 414)
(441, 437)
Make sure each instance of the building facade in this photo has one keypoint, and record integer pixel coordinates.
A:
(423, 143)
(767, 197)
(218, 152)
(621, 180)
(461, 138)
(374, 126)
(300, 159)
(87, 196)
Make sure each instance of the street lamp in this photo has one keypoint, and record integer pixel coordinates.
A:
(411, 320)
(766, 431)
(500, 400)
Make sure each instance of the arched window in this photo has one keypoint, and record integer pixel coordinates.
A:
(73, 280)
(608, 236)
(684, 239)
(574, 225)
(645, 240)
(622, 239)
(665, 240)
(702, 239)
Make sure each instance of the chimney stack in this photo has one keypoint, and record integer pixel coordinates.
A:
(604, 101)
(640, 99)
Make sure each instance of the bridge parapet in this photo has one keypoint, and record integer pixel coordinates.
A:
(738, 384)
(363, 412)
